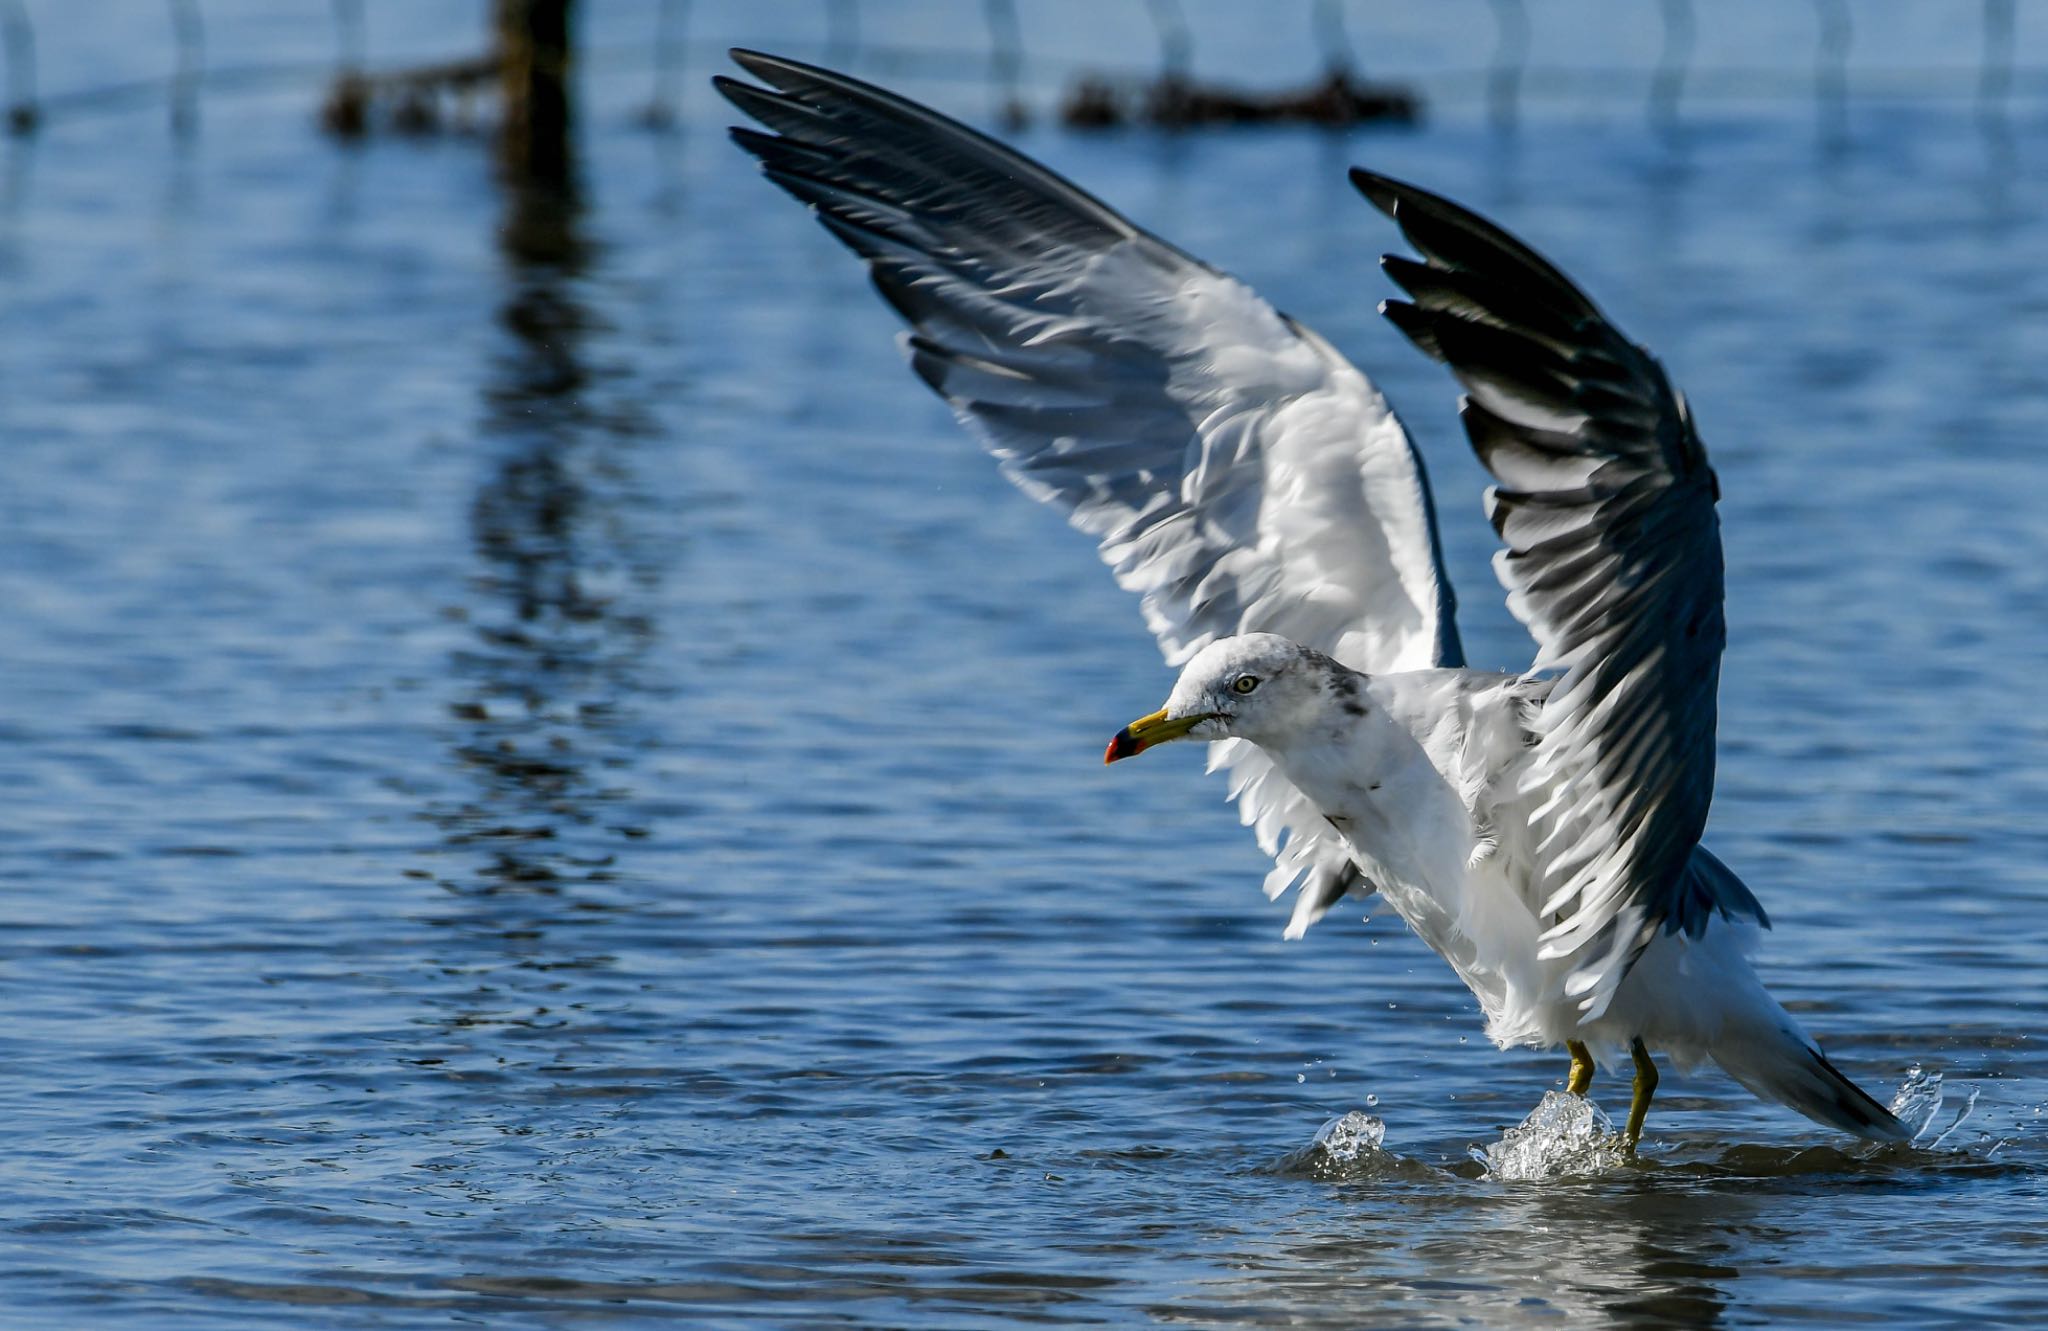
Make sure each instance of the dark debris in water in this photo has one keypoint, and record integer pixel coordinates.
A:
(1175, 101)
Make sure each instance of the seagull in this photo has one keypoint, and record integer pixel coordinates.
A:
(1539, 830)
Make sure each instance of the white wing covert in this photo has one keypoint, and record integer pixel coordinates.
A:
(1239, 475)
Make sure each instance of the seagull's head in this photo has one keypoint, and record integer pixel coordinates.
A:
(1260, 686)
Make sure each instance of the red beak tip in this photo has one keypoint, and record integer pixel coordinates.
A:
(1121, 745)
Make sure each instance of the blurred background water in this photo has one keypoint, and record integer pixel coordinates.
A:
(546, 782)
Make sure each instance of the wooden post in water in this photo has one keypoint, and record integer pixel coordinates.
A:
(1669, 80)
(534, 45)
(189, 31)
(20, 40)
(1510, 58)
(1994, 87)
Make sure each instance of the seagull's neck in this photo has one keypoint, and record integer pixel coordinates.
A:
(1345, 748)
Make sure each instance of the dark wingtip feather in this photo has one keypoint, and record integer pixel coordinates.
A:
(1380, 191)
(749, 98)
(1411, 276)
(1453, 236)
(1415, 324)
(1500, 360)
(928, 361)
(763, 65)
(1396, 198)
(753, 140)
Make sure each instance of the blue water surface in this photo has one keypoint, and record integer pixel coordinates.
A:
(548, 784)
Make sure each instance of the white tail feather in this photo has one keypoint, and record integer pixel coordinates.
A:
(1780, 1062)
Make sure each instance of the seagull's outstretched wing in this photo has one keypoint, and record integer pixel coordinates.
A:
(1613, 561)
(1239, 474)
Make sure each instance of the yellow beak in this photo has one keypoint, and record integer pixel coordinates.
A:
(1146, 731)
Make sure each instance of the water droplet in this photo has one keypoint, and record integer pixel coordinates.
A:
(1461, 1039)
(1371, 1100)
(1300, 1076)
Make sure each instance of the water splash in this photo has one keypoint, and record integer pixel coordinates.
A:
(1564, 1134)
(1349, 1146)
(1917, 1101)
(1344, 1137)
(1918, 1104)
(1968, 1107)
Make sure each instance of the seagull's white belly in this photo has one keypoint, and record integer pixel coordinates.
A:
(1677, 997)
(1412, 835)
(1387, 792)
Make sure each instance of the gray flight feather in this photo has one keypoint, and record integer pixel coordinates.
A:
(1238, 473)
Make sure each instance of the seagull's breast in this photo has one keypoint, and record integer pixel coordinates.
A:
(1407, 780)
(1380, 789)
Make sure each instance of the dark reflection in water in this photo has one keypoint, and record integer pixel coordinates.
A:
(1639, 1255)
(1623, 1254)
(538, 708)
(556, 634)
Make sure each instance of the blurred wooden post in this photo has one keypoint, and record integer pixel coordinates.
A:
(1994, 85)
(189, 31)
(1339, 56)
(1669, 80)
(20, 40)
(1510, 54)
(534, 59)
(660, 111)
(1006, 62)
(1176, 43)
(346, 113)
(842, 33)
(349, 38)
(1831, 69)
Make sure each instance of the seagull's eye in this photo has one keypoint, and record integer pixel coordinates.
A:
(1246, 683)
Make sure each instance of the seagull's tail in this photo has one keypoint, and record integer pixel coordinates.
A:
(1780, 1062)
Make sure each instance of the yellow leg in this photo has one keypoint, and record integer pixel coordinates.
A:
(1646, 1086)
(1582, 1068)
